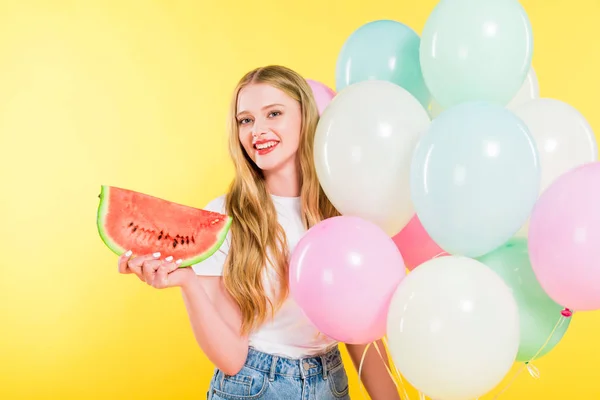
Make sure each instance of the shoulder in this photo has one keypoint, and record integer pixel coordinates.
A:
(216, 204)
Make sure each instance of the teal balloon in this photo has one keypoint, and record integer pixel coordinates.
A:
(476, 50)
(383, 50)
(475, 177)
(538, 313)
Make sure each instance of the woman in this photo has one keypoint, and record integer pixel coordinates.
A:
(237, 300)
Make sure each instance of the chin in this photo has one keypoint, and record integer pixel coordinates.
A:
(272, 162)
(266, 166)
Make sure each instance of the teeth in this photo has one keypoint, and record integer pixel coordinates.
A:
(265, 145)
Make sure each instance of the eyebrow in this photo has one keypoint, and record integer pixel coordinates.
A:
(264, 108)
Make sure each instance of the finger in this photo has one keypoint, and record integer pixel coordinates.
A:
(149, 270)
(135, 264)
(123, 259)
(170, 265)
(170, 275)
(161, 280)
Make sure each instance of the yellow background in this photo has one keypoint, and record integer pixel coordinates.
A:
(134, 94)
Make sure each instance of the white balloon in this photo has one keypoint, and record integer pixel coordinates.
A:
(529, 90)
(453, 328)
(363, 148)
(563, 137)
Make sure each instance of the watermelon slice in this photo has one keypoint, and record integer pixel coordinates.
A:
(144, 224)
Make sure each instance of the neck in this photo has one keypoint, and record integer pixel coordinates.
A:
(285, 181)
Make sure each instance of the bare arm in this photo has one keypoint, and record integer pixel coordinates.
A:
(374, 376)
(216, 321)
(214, 316)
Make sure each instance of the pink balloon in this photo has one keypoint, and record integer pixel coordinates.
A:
(343, 274)
(564, 238)
(322, 93)
(415, 245)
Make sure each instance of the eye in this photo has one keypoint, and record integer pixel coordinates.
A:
(273, 114)
(244, 121)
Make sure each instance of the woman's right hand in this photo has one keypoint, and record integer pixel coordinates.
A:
(144, 266)
(156, 272)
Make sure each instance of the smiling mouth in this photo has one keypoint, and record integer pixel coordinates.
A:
(265, 145)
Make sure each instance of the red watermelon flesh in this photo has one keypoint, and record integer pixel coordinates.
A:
(144, 224)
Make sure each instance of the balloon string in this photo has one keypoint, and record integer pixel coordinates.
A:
(533, 371)
(390, 373)
(559, 323)
(398, 375)
(362, 360)
(509, 384)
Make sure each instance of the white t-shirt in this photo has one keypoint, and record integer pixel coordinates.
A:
(290, 333)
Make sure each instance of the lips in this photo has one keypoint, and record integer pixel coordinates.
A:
(265, 144)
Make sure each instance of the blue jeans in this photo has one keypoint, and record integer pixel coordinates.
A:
(269, 377)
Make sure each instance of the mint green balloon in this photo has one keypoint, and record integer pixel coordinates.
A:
(384, 50)
(476, 50)
(537, 311)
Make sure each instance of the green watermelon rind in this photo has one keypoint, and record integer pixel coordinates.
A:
(221, 236)
(118, 250)
(102, 212)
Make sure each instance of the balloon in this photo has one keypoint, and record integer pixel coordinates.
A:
(382, 50)
(415, 245)
(564, 238)
(529, 90)
(453, 328)
(343, 273)
(476, 50)
(563, 137)
(474, 178)
(322, 93)
(434, 109)
(538, 313)
(363, 146)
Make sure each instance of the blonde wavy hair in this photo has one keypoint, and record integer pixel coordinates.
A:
(255, 233)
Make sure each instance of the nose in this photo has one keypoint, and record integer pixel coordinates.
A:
(259, 128)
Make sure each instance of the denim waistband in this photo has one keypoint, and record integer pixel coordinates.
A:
(301, 367)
